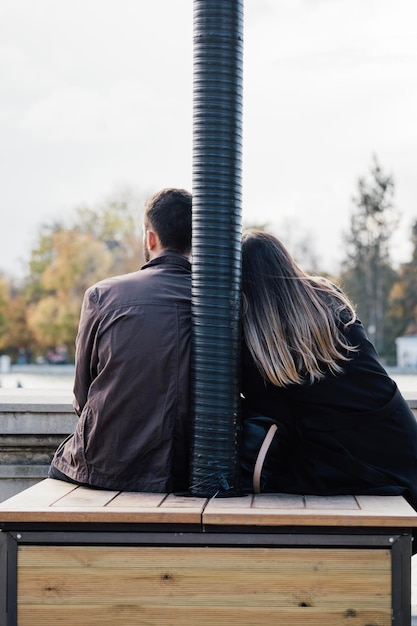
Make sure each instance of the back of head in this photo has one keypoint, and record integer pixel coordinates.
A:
(272, 283)
(168, 212)
(266, 263)
(290, 319)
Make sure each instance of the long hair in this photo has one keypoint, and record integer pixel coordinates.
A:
(292, 322)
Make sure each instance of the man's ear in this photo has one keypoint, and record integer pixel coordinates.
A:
(152, 239)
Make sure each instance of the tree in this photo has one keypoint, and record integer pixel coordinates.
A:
(78, 261)
(368, 275)
(403, 308)
(68, 258)
(4, 303)
(14, 332)
(116, 223)
(409, 279)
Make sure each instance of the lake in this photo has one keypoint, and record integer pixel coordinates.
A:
(61, 377)
(47, 377)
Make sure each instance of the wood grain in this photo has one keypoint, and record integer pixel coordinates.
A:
(184, 586)
(56, 501)
(296, 510)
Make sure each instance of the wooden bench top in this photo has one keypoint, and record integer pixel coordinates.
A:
(61, 502)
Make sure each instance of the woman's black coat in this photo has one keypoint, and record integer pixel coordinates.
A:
(347, 434)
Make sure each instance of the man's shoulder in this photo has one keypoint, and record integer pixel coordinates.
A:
(150, 286)
(147, 272)
(112, 281)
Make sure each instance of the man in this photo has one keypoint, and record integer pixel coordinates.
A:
(131, 388)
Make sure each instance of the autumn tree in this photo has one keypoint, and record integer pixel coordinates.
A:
(368, 275)
(69, 257)
(78, 261)
(14, 332)
(4, 302)
(403, 301)
(116, 223)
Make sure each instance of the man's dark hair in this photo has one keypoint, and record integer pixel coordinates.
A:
(168, 212)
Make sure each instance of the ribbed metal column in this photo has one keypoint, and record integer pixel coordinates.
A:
(217, 146)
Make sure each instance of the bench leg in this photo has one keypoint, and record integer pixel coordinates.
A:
(8, 579)
(401, 580)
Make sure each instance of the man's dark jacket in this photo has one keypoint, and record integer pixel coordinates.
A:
(131, 387)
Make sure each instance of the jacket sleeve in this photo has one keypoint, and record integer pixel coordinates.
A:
(86, 358)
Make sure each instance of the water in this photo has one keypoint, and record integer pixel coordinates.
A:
(61, 378)
(39, 377)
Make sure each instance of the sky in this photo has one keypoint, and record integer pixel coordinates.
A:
(96, 96)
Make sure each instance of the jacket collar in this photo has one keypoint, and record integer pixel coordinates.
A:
(169, 258)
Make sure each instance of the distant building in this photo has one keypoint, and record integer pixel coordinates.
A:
(407, 351)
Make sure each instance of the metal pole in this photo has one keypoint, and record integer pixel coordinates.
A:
(217, 149)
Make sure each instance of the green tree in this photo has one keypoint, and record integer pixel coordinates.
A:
(368, 275)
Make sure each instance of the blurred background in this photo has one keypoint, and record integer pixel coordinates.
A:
(96, 114)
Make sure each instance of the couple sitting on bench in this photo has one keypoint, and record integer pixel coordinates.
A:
(309, 372)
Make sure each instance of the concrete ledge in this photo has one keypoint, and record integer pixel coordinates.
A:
(32, 425)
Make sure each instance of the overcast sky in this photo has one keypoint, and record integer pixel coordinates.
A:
(96, 95)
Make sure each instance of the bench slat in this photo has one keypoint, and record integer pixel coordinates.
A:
(137, 499)
(43, 494)
(385, 505)
(331, 503)
(85, 497)
(278, 501)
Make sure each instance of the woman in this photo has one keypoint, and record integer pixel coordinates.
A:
(343, 426)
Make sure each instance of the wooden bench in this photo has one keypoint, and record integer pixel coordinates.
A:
(74, 556)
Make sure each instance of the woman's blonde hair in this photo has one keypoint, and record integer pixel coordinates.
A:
(291, 321)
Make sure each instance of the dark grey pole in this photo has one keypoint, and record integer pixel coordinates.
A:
(217, 151)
